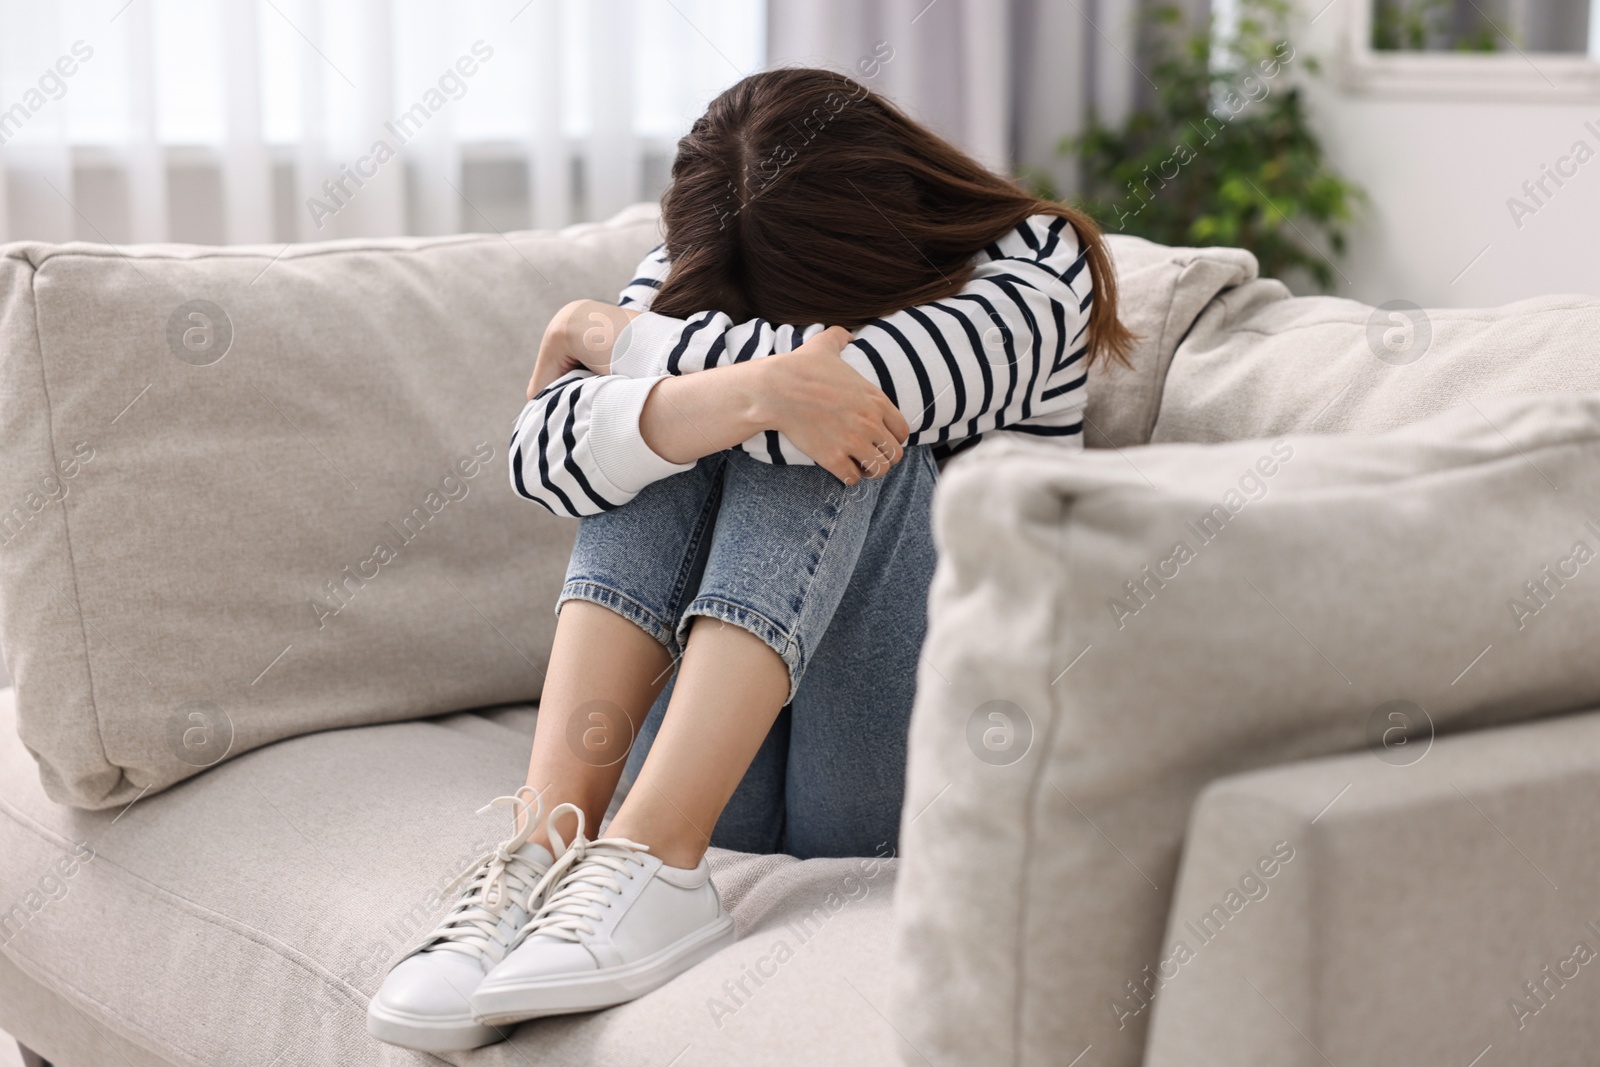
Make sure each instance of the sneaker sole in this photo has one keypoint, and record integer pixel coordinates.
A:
(430, 1035)
(511, 1002)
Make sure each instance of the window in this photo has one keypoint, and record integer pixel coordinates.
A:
(1552, 26)
(1471, 50)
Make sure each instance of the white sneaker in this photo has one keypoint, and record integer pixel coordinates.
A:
(614, 924)
(425, 1001)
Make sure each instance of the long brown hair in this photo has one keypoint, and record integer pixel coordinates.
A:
(802, 196)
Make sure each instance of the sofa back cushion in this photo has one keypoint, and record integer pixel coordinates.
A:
(1109, 633)
(250, 493)
(1161, 291)
(1257, 362)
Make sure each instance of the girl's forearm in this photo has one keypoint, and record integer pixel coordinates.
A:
(591, 329)
(689, 417)
(826, 409)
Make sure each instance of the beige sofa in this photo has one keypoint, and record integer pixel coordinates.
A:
(260, 555)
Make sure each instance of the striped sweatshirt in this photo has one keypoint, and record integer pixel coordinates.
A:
(1006, 353)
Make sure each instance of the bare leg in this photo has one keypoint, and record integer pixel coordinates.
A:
(603, 669)
(731, 686)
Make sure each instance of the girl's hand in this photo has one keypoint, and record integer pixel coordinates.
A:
(831, 413)
(581, 334)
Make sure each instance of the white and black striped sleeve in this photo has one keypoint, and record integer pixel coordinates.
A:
(641, 291)
(576, 447)
(1006, 352)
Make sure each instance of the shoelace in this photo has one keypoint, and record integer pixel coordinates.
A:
(494, 880)
(582, 882)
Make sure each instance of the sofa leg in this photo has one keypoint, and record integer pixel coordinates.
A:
(31, 1058)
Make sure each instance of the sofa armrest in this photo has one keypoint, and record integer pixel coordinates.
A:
(1423, 891)
(1110, 633)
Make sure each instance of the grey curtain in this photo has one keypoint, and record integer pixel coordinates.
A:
(1006, 79)
(946, 62)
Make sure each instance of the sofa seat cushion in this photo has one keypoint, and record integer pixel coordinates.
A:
(247, 915)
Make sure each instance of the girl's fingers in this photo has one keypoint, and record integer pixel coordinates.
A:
(889, 446)
(880, 454)
(896, 423)
(837, 336)
(845, 470)
(874, 464)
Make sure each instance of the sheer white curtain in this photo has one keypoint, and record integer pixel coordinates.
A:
(275, 120)
(256, 120)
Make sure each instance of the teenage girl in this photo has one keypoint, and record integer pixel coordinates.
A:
(749, 436)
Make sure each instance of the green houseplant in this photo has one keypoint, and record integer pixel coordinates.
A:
(1224, 154)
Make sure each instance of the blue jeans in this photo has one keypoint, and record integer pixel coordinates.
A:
(835, 580)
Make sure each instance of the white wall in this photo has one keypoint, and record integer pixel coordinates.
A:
(1439, 171)
(1439, 176)
(1438, 161)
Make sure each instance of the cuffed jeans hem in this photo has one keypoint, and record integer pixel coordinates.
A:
(747, 618)
(624, 605)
